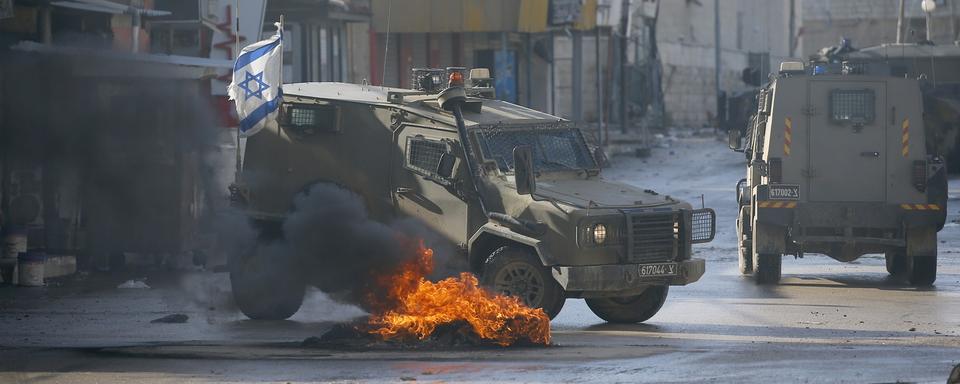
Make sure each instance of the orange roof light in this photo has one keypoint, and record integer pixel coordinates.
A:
(456, 79)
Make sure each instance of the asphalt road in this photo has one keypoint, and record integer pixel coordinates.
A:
(826, 322)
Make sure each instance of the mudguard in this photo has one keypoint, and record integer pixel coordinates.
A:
(503, 232)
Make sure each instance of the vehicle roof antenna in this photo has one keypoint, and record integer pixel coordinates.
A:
(386, 46)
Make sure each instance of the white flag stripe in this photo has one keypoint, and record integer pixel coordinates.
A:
(256, 87)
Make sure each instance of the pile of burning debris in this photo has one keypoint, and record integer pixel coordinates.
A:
(417, 313)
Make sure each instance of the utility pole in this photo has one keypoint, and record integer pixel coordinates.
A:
(716, 57)
(900, 23)
(624, 31)
(791, 28)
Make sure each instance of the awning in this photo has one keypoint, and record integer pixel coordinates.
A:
(108, 63)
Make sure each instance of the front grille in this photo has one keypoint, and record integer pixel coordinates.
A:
(652, 237)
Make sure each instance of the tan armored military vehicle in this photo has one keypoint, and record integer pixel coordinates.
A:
(518, 192)
(838, 164)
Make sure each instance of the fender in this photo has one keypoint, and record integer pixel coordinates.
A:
(502, 232)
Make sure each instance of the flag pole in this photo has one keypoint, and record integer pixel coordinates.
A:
(281, 53)
(236, 175)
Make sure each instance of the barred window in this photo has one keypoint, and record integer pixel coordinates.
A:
(423, 155)
(852, 106)
(309, 119)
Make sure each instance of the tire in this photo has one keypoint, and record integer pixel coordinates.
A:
(896, 263)
(766, 268)
(631, 309)
(744, 248)
(515, 271)
(922, 270)
(267, 285)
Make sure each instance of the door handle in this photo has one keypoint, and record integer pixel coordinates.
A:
(403, 190)
(870, 154)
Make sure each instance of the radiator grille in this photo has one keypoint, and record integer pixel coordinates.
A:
(652, 236)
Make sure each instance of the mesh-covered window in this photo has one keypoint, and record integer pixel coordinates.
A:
(423, 155)
(852, 106)
(310, 119)
(554, 149)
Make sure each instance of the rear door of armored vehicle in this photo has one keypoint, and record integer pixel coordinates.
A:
(847, 141)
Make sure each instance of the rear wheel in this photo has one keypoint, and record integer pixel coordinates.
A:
(896, 263)
(630, 309)
(766, 268)
(922, 270)
(267, 285)
(744, 249)
(514, 271)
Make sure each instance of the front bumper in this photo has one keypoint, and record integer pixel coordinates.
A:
(626, 277)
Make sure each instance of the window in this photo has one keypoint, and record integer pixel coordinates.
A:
(556, 149)
(423, 155)
(310, 119)
(852, 106)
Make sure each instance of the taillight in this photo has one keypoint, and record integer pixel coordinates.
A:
(775, 170)
(919, 175)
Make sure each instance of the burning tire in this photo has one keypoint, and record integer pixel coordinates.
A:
(630, 309)
(267, 285)
(514, 271)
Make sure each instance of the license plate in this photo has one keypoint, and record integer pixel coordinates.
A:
(784, 192)
(657, 270)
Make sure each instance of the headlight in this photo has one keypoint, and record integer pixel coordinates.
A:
(599, 232)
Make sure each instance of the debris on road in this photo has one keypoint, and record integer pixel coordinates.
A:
(134, 284)
(177, 318)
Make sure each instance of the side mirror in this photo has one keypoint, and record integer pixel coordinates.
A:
(446, 165)
(734, 140)
(523, 171)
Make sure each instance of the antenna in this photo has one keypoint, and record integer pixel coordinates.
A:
(386, 46)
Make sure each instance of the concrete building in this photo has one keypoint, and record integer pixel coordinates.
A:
(873, 22)
(538, 57)
(753, 33)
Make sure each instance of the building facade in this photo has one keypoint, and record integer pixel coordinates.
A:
(873, 22)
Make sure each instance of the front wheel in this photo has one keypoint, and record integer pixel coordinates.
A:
(515, 271)
(630, 309)
(267, 284)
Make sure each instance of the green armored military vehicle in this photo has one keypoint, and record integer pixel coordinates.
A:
(518, 192)
(838, 164)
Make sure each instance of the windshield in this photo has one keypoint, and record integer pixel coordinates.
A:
(553, 149)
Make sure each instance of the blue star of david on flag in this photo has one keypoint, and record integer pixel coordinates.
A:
(258, 81)
(256, 87)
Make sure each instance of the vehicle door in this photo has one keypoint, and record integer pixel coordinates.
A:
(847, 141)
(424, 183)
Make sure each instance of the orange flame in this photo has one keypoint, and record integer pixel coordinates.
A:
(414, 307)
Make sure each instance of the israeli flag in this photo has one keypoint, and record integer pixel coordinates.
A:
(256, 84)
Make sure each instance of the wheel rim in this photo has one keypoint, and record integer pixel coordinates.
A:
(521, 280)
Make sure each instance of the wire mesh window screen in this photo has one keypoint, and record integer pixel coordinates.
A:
(704, 223)
(313, 118)
(852, 106)
(554, 147)
(423, 155)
